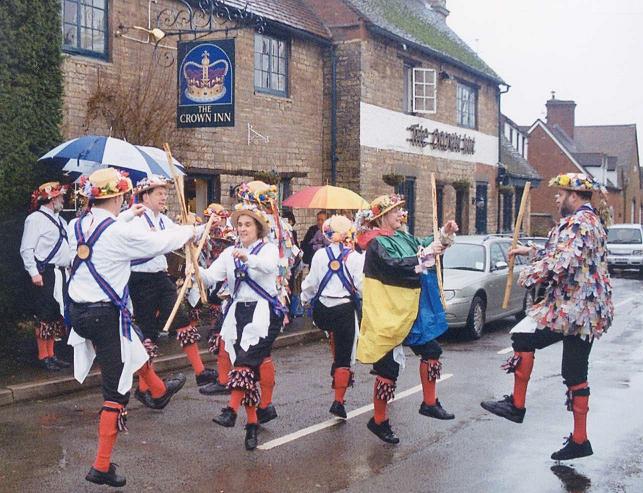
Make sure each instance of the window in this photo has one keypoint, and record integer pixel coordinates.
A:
(271, 65)
(85, 27)
(407, 189)
(424, 90)
(466, 105)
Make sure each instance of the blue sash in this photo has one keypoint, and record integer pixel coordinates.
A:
(140, 261)
(119, 301)
(431, 320)
(62, 235)
(336, 267)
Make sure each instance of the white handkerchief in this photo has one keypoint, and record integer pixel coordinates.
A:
(526, 326)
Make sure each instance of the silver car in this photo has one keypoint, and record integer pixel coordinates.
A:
(475, 274)
(625, 246)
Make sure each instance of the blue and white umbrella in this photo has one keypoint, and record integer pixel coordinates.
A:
(83, 155)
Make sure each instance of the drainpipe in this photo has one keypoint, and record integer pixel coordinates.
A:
(500, 130)
(333, 117)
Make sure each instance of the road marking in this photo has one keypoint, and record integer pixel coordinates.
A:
(625, 302)
(335, 421)
(505, 350)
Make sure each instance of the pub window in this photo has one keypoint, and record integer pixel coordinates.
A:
(271, 65)
(466, 105)
(424, 90)
(84, 25)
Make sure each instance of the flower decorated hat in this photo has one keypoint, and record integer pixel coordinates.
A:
(257, 192)
(577, 182)
(254, 212)
(151, 182)
(104, 184)
(383, 204)
(47, 191)
(217, 209)
(338, 229)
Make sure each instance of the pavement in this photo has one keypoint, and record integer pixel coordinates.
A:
(49, 445)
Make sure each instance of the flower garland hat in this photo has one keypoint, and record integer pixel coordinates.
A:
(47, 191)
(151, 182)
(217, 209)
(254, 212)
(338, 229)
(383, 204)
(258, 192)
(104, 184)
(577, 182)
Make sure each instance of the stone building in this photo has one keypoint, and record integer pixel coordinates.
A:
(609, 153)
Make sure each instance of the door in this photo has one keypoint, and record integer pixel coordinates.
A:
(481, 208)
(407, 188)
(497, 280)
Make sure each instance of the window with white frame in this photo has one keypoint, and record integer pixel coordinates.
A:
(271, 65)
(424, 87)
(84, 25)
(466, 105)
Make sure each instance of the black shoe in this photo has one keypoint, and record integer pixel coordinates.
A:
(227, 417)
(209, 375)
(214, 389)
(251, 436)
(383, 431)
(338, 409)
(573, 450)
(110, 478)
(266, 414)
(60, 363)
(142, 397)
(48, 364)
(172, 384)
(436, 411)
(505, 408)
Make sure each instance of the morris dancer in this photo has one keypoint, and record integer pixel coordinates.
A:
(152, 291)
(100, 307)
(333, 287)
(576, 309)
(254, 317)
(46, 255)
(265, 197)
(391, 304)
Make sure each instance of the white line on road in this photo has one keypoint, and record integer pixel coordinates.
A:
(505, 350)
(335, 421)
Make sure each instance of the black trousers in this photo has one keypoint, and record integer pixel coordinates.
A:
(340, 321)
(388, 368)
(100, 324)
(153, 296)
(46, 308)
(255, 354)
(576, 351)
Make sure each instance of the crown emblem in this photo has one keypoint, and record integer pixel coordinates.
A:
(205, 81)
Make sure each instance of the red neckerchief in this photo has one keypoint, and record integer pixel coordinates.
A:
(365, 238)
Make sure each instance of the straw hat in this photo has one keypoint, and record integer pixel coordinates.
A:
(151, 182)
(254, 212)
(47, 191)
(383, 204)
(257, 192)
(577, 182)
(104, 184)
(338, 228)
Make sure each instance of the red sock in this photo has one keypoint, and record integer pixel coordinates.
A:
(521, 378)
(42, 348)
(428, 385)
(266, 382)
(235, 399)
(341, 380)
(155, 384)
(251, 411)
(107, 432)
(580, 408)
(224, 365)
(142, 384)
(380, 415)
(192, 352)
(50, 347)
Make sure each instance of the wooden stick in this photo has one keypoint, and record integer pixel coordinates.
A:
(188, 280)
(436, 235)
(178, 184)
(514, 243)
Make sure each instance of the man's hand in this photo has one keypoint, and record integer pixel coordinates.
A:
(451, 227)
(437, 248)
(137, 209)
(37, 280)
(520, 250)
(240, 254)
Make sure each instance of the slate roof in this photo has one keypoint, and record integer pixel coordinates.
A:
(420, 25)
(291, 13)
(613, 140)
(516, 165)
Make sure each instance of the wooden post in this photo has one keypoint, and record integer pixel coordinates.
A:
(436, 235)
(512, 260)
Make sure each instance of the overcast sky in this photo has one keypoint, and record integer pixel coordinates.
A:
(590, 51)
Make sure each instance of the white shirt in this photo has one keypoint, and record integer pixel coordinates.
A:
(262, 268)
(334, 293)
(38, 240)
(160, 222)
(119, 244)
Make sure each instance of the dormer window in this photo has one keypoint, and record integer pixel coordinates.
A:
(84, 25)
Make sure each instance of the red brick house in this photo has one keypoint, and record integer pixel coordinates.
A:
(607, 152)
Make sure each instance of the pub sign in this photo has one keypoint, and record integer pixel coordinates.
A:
(205, 84)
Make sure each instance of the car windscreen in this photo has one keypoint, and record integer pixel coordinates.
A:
(464, 256)
(624, 235)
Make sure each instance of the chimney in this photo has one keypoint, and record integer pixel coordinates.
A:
(440, 7)
(561, 113)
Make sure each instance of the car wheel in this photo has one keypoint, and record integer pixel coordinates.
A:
(527, 303)
(476, 318)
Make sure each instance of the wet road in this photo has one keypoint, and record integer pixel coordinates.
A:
(48, 446)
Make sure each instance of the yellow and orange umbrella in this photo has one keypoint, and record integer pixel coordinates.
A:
(326, 197)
